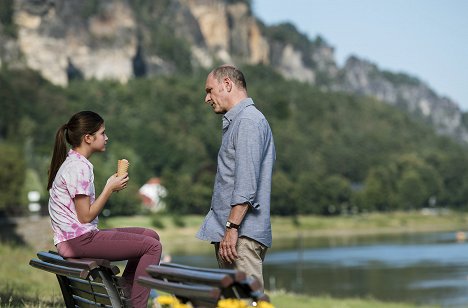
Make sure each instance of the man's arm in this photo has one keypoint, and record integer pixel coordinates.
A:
(227, 247)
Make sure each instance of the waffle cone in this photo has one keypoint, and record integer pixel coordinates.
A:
(122, 167)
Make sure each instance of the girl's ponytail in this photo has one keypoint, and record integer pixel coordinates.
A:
(59, 155)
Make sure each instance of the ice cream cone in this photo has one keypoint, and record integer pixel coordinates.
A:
(122, 167)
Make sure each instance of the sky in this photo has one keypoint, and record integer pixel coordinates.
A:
(427, 39)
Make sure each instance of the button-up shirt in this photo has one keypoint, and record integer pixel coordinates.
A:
(245, 165)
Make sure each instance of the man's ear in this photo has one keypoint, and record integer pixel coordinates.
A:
(228, 84)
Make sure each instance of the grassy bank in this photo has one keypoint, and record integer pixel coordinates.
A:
(24, 286)
(178, 234)
(285, 300)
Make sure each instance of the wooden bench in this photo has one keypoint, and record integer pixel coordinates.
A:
(202, 287)
(84, 282)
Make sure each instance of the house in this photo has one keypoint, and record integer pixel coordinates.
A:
(152, 193)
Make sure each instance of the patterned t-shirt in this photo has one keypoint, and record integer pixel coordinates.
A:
(74, 177)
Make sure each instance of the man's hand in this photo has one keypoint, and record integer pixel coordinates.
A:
(227, 247)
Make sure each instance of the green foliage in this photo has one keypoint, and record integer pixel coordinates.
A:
(400, 78)
(89, 8)
(335, 153)
(169, 47)
(160, 39)
(12, 175)
(157, 221)
(282, 194)
(287, 33)
(178, 221)
(6, 18)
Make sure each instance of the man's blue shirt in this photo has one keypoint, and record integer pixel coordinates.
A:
(245, 165)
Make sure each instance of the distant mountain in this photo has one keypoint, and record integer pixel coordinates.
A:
(119, 39)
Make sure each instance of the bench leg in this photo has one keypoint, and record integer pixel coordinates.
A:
(67, 295)
(111, 290)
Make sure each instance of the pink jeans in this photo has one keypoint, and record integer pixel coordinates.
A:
(140, 246)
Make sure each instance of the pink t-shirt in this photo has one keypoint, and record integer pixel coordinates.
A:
(74, 177)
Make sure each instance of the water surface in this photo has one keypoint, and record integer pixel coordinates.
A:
(428, 268)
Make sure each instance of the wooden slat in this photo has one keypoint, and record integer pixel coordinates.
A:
(234, 274)
(87, 263)
(192, 292)
(56, 259)
(190, 276)
(98, 288)
(83, 284)
(59, 269)
(89, 290)
(242, 287)
(100, 262)
(84, 303)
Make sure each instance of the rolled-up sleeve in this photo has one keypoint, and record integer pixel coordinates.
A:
(249, 148)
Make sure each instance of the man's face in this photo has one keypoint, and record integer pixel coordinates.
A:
(216, 95)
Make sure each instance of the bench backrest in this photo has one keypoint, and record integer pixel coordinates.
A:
(84, 282)
(242, 286)
(203, 287)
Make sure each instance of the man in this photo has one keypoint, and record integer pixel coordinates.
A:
(238, 223)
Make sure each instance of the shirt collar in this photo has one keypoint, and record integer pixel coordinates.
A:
(75, 155)
(232, 114)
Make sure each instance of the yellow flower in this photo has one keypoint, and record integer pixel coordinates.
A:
(167, 300)
(263, 304)
(181, 305)
(231, 303)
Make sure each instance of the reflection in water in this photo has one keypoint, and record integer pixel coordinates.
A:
(421, 268)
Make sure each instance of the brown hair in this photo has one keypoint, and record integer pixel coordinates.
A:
(80, 124)
(232, 73)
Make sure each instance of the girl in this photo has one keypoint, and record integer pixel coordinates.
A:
(74, 209)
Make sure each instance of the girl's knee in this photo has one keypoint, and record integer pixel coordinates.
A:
(155, 245)
(151, 233)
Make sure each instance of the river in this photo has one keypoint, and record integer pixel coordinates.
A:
(423, 268)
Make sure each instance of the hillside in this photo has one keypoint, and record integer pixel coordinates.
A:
(336, 153)
(120, 40)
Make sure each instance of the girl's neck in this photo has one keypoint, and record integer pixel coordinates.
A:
(83, 151)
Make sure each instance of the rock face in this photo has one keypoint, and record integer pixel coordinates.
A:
(409, 93)
(55, 36)
(120, 40)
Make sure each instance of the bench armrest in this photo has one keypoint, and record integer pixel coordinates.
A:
(60, 269)
(85, 263)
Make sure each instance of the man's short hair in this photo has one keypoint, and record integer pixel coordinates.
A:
(232, 73)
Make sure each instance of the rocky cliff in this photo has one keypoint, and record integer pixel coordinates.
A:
(409, 93)
(123, 39)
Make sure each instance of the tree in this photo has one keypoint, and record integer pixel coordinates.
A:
(379, 189)
(282, 201)
(12, 175)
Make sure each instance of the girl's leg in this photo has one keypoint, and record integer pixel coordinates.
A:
(129, 273)
(116, 245)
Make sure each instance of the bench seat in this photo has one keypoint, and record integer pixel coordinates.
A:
(84, 282)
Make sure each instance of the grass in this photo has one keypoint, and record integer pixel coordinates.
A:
(181, 240)
(23, 286)
(286, 300)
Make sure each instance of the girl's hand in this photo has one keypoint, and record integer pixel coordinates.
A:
(116, 183)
